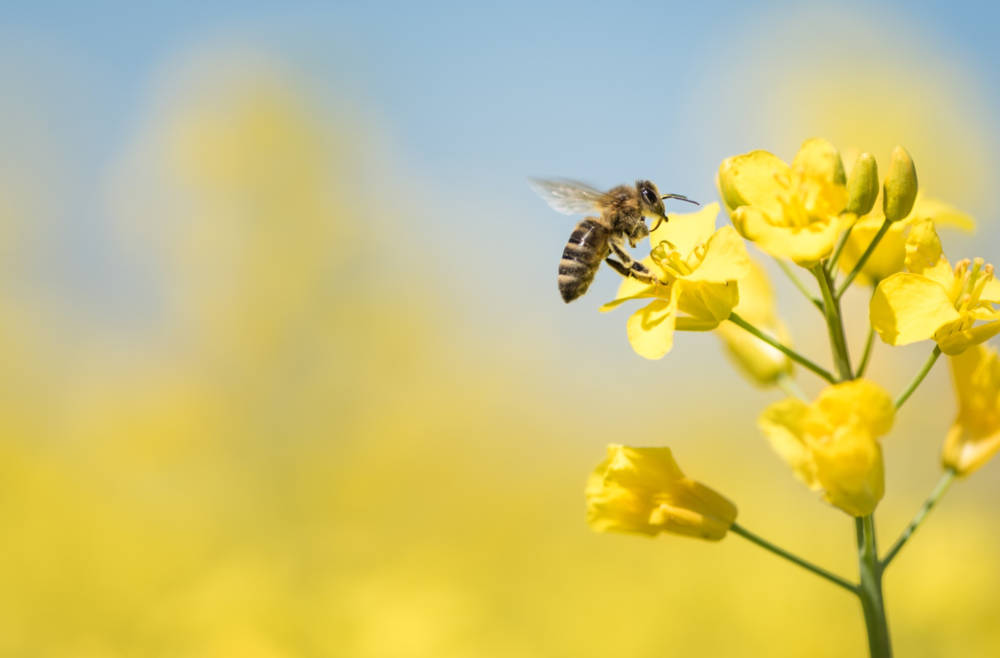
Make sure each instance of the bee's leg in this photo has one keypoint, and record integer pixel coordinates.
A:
(636, 271)
(628, 266)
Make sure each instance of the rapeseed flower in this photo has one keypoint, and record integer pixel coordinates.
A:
(697, 267)
(790, 211)
(975, 435)
(831, 444)
(954, 306)
(642, 490)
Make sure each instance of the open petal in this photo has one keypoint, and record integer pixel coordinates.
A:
(710, 303)
(630, 289)
(908, 307)
(806, 245)
(726, 258)
(685, 231)
(651, 328)
(752, 179)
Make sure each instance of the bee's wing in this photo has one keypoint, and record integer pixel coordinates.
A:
(569, 197)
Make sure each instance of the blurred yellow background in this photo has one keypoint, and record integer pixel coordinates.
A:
(288, 375)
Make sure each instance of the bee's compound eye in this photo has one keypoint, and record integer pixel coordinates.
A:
(648, 196)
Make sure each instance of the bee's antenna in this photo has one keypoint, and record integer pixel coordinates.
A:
(680, 197)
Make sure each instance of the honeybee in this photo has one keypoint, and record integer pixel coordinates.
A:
(622, 209)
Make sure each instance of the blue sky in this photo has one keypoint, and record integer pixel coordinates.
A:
(469, 100)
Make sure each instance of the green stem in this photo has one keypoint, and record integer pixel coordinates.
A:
(789, 352)
(819, 571)
(905, 395)
(831, 265)
(870, 590)
(834, 324)
(797, 282)
(864, 258)
(866, 355)
(918, 518)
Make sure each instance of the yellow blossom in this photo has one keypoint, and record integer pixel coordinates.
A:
(889, 254)
(975, 435)
(760, 362)
(955, 306)
(698, 268)
(792, 212)
(642, 490)
(831, 444)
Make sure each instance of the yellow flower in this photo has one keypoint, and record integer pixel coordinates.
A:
(933, 300)
(760, 362)
(698, 268)
(791, 212)
(642, 490)
(889, 255)
(831, 444)
(975, 435)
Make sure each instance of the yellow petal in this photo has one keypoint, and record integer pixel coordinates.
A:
(694, 510)
(642, 490)
(991, 291)
(850, 470)
(859, 401)
(952, 339)
(726, 258)
(648, 468)
(630, 289)
(651, 328)
(708, 302)
(908, 307)
(685, 231)
(942, 214)
(806, 245)
(751, 179)
(923, 247)
(819, 159)
(783, 424)
(975, 435)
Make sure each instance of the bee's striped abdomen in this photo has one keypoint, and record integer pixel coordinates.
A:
(587, 247)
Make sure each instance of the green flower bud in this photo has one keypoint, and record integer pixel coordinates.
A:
(900, 188)
(862, 186)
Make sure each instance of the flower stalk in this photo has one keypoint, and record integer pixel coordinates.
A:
(870, 590)
(791, 557)
(792, 354)
(864, 258)
(928, 364)
(939, 491)
(834, 323)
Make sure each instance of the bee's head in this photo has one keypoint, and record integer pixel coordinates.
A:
(649, 201)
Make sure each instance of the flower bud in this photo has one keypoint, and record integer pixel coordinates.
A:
(900, 188)
(642, 490)
(862, 185)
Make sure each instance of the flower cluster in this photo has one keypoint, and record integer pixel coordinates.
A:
(815, 215)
